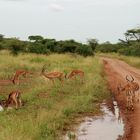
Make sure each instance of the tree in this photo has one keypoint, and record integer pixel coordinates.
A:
(67, 46)
(84, 50)
(36, 38)
(1, 37)
(92, 43)
(16, 46)
(50, 44)
(39, 48)
(133, 34)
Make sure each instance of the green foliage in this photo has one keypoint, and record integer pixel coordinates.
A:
(50, 44)
(92, 43)
(35, 38)
(84, 50)
(39, 49)
(66, 46)
(107, 47)
(133, 34)
(16, 46)
(39, 45)
(133, 50)
(1, 37)
(1, 47)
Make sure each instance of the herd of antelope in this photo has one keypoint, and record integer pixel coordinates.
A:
(14, 97)
(131, 90)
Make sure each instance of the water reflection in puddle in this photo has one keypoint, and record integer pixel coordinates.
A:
(106, 127)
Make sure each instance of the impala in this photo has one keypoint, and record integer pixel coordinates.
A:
(128, 91)
(135, 88)
(14, 97)
(19, 73)
(75, 73)
(52, 75)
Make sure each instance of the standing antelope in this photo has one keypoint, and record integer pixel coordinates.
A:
(130, 88)
(52, 75)
(135, 88)
(18, 73)
(128, 91)
(75, 73)
(14, 97)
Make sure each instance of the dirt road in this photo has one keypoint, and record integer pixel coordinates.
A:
(116, 71)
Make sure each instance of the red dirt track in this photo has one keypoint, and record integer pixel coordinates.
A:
(116, 71)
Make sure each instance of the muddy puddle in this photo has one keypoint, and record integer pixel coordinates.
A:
(109, 126)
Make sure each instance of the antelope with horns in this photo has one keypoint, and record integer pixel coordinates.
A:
(134, 86)
(53, 75)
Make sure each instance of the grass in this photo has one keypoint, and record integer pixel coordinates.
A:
(45, 118)
(131, 60)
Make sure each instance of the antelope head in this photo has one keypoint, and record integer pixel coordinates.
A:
(43, 69)
(120, 88)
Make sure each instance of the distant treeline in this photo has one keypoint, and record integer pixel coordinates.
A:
(129, 46)
(40, 45)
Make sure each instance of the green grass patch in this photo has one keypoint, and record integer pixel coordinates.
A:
(44, 118)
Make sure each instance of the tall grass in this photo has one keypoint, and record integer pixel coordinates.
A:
(45, 118)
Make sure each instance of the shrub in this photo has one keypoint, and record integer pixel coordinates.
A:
(39, 49)
(84, 50)
(16, 46)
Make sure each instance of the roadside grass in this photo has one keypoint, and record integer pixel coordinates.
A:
(132, 60)
(47, 117)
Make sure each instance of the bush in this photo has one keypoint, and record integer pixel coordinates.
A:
(39, 49)
(108, 47)
(66, 46)
(84, 50)
(133, 50)
(16, 46)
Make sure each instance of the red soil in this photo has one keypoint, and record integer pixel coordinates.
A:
(116, 71)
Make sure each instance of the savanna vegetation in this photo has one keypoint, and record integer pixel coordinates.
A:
(39, 45)
(49, 109)
(130, 46)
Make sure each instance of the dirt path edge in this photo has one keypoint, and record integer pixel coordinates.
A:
(116, 70)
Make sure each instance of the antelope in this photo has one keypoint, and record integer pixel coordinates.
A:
(14, 97)
(135, 87)
(130, 88)
(75, 73)
(53, 75)
(19, 73)
(128, 91)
